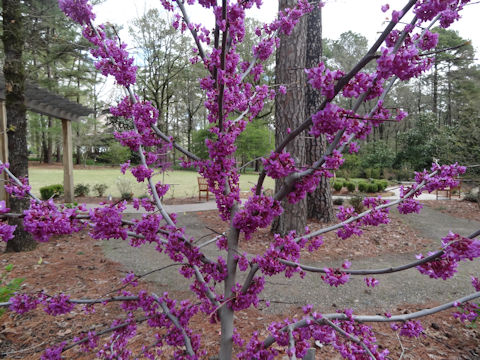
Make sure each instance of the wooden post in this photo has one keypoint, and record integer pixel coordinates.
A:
(67, 160)
(3, 147)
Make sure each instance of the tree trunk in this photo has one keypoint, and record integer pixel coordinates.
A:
(58, 154)
(319, 203)
(289, 113)
(14, 72)
(435, 92)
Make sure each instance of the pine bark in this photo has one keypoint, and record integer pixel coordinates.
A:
(289, 113)
(319, 203)
(14, 72)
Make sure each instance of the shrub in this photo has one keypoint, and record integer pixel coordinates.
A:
(372, 188)
(362, 186)
(403, 174)
(81, 190)
(124, 186)
(126, 196)
(116, 154)
(351, 186)
(338, 201)
(382, 184)
(338, 185)
(100, 189)
(357, 203)
(51, 191)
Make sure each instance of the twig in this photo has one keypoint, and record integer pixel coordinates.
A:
(211, 296)
(208, 242)
(18, 182)
(401, 346)
(349, 336)
(176, 323)
(192, 30)
(388, 270)
(137, 277)
(291, 344)
(22, 350)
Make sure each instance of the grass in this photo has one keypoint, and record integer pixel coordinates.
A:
(184, 183)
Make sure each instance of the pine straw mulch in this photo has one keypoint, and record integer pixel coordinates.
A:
(401, 239)
(457, 208)
(75, 265)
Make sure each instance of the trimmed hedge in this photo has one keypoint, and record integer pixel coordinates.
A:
(382, 184)
(362, 186)
(351, 186)
(372, 188)
(338, 185)
(51, 191)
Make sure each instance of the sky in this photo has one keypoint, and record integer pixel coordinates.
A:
(362, 16)
(338, 16)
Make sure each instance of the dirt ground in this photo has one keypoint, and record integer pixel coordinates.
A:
(83, 267)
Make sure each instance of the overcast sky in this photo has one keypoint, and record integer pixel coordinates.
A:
(360, 16)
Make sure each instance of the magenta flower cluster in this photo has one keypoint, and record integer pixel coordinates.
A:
(44, 219)
(258, 212)
(455, 249)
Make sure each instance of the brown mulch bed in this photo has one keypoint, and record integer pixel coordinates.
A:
(75, 265)
(457, 208)
(401, 239)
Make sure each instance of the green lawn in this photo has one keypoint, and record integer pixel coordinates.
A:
(184, 182)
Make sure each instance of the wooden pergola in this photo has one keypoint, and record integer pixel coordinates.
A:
(46, 103)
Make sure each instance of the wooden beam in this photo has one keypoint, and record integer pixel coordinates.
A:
(3, 148)
(67, 160)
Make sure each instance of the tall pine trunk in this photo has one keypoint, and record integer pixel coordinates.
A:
(319, 203)
(289, 113)
(14, 72)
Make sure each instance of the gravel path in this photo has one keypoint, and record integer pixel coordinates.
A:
(407, 287)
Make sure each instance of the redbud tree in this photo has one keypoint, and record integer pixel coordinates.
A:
(404, 50)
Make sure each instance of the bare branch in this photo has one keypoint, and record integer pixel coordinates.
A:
(291, 344)
(192, 30)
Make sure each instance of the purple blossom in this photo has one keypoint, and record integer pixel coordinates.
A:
(409, 328)
(279, 165)
(22, 303)
(54, 353)
(44, 219)
(58, 305)
(79, 11)
(335, 277)
(6, 231)
(371, 282)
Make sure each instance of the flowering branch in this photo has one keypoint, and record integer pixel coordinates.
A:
(320, 319)
(176, 323)
(349, 337)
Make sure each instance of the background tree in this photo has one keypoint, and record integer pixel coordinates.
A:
(14, 72)
(319, 202)
(290, 113)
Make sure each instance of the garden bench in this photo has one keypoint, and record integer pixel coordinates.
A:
(202, 187)
(449, 190)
